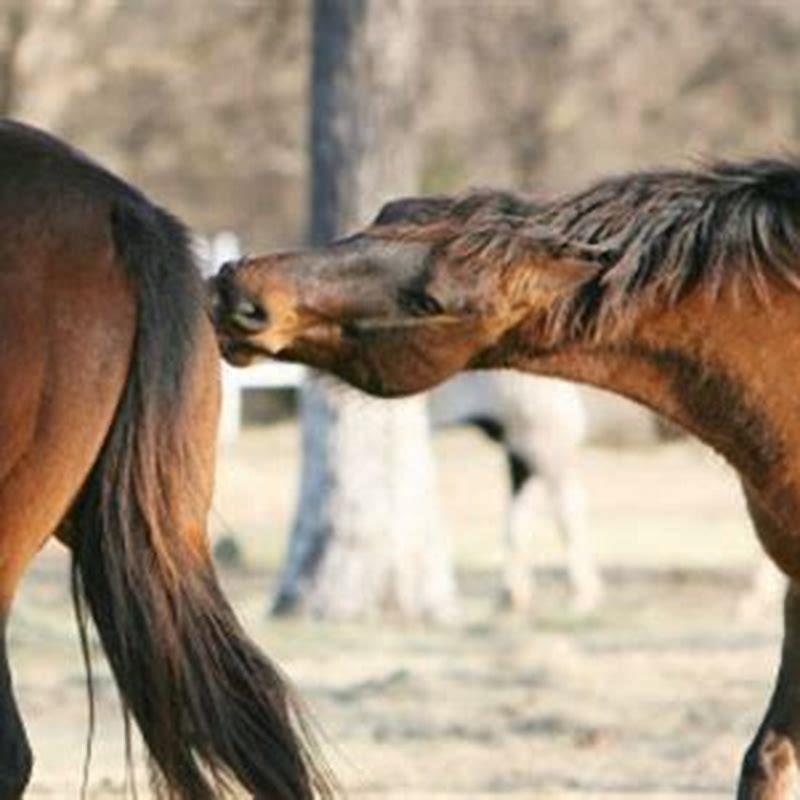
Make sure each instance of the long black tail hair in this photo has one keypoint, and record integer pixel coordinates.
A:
(213, 711)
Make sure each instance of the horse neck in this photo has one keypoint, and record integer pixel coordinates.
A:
(724, 370)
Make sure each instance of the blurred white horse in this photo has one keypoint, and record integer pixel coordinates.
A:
(540, 423)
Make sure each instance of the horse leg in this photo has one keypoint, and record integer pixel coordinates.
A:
(770, 767)
(16, 759)
(24, 527)
(569, 508)
(34, 497)
(517, 590)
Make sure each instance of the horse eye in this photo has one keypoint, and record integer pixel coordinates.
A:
(419, 303)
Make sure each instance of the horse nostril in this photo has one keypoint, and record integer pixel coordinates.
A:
(232, 309)
(226, 270)
(247, 315)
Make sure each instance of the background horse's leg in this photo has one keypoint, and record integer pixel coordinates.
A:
(517, 589)
(544, 426)
(569, 508)
(555, 454)
(547, 465)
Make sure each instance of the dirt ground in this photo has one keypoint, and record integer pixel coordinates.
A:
(655, 695)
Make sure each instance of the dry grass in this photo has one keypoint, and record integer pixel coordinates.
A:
(654, 696)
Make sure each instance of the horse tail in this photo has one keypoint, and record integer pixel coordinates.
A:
(213, 711)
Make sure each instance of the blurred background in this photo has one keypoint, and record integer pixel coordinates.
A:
(634, 658)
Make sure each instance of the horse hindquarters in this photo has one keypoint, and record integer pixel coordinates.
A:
(52, 426)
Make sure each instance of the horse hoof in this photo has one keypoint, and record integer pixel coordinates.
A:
(770, 770)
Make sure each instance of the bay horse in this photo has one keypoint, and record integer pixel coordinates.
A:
(540, 424)
(678, 288)
(108, 412)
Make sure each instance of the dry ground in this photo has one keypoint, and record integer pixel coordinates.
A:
(654, 696)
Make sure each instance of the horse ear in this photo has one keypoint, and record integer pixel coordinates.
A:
(414, 210)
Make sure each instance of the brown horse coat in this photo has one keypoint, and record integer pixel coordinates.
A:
(108, 409)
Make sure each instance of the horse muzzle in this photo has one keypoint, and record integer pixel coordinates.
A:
(234, 311)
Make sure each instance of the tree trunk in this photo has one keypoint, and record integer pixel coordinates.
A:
(367, 536)
(14, 23)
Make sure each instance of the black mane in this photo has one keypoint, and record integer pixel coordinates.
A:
(665, 233)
